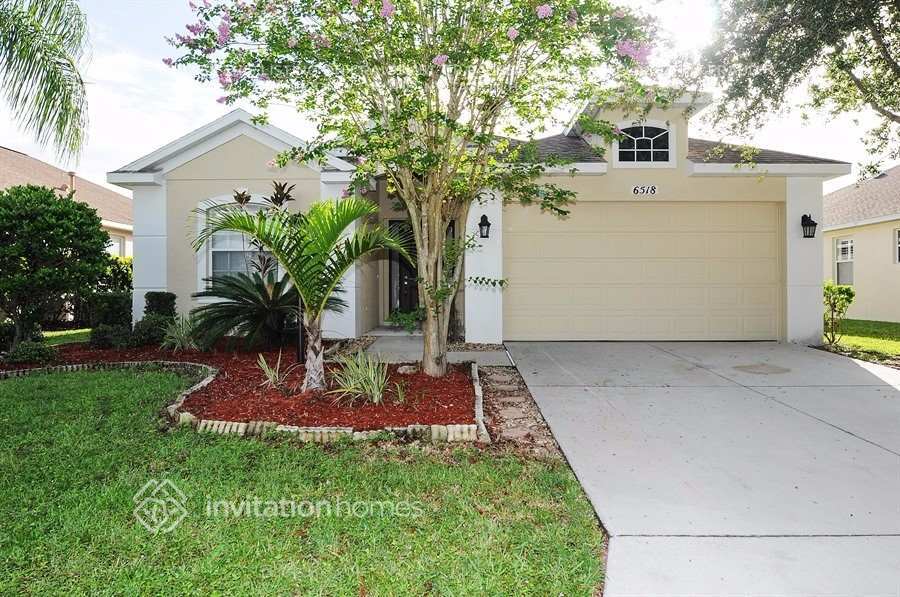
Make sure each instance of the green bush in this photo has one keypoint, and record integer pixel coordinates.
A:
(8, 332)
(151, 330)
(110, 336)
(408, 320)
(33, 353)
(159, 303)
(837, 300)
(111, 308)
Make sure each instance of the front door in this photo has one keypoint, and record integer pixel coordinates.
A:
(402, 276)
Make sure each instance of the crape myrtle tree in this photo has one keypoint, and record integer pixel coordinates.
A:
(849, 49)
(427, 93)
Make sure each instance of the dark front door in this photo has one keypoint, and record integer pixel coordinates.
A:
(402, 278)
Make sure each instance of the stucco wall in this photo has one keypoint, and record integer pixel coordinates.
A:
(239, 163)
(876, 273)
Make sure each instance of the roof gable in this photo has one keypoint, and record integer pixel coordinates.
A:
(217, 132)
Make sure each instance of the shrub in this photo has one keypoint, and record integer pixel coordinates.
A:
(837, 300)
(50, 247)
(151, 330)
(276, 377)
(408, 320)
(118, 276)
(110, 336)
(8, 332)
(32, 352)
(159, 303)
(111, 308)
(360, 377)
(181, 334)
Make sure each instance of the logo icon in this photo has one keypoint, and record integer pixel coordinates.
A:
(159, 506)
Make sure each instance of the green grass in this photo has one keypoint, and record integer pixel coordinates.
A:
(66, 336)
(881, 337)
(77, 446)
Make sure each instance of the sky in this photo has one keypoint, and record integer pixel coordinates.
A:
(137, 104)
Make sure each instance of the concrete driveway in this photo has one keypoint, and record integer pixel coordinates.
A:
(730, 468)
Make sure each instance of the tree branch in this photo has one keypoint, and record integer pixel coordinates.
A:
(866, 95)
(882, 46)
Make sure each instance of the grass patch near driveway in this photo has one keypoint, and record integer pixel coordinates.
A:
(58, 337)
(78, 446)
(882, 338)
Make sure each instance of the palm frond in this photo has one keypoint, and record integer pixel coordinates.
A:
(41, 44)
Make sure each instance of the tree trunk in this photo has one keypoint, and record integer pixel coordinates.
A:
(315, 356)
(19, 334)
(434, 356)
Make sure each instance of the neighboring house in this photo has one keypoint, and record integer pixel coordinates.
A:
(862, 244)
(114, 209)
(667, 241)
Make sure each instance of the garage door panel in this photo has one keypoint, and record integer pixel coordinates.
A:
(622, 271)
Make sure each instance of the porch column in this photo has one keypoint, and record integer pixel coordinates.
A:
(340, 325)
(484, 303)
(150, 246)
(803, 262)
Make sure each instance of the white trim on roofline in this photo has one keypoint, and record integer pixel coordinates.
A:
(117, 225)
(237, 116)
(133, 179)
(866, 222)
(824, 171)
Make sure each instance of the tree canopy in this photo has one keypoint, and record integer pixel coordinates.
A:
(426, 94)
(50, 246)
(849, 49)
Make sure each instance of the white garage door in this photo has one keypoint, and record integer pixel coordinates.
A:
(644, 271)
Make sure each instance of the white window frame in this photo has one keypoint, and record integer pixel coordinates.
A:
(204, 255)
(837, 254)
(896, 245)
(673, 141)
(116, 240)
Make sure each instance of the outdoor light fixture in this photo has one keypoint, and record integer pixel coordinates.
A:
(484, 227)
(809, 226)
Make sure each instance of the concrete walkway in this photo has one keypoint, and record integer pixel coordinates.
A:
(408, 349)
(730, 468)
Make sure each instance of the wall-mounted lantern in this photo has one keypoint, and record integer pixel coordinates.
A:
(484, 227)
(809, 226)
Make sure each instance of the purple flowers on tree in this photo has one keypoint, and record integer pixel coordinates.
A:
(440, 60)
(544, 11)
(637, 51)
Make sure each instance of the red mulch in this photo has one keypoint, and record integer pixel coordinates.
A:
(236, 395)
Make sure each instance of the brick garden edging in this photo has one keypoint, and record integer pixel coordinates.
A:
(432, 433)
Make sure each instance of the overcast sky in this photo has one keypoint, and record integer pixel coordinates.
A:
(137, 104)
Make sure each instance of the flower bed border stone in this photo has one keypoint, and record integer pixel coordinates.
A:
(433, 433)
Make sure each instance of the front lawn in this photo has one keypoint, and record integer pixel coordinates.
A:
(881, 337)
(58, 337)
(78, 446)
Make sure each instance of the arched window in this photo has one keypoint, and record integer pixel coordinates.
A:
(644, 144)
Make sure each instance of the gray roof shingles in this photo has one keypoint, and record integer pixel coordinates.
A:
(871, 199)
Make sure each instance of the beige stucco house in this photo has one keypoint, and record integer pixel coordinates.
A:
(667, 241)
(114, 209)
(862, 244)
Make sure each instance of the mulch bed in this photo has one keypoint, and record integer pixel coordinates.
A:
(236, 394)
(862, 355)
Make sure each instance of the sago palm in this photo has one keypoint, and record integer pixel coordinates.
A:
(257, 307)
(315, 250)
(41, 44)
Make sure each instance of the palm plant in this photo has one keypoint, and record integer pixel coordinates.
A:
(256, 306)
(41, 43)
(315, 250)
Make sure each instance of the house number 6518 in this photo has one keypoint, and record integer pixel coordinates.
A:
(643, 189)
